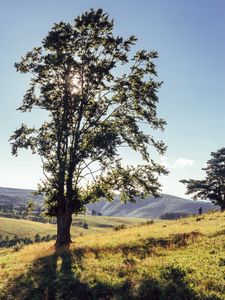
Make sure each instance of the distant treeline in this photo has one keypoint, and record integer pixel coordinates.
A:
(6, 242)
(37, 214)
(22, 212)
(174, 215)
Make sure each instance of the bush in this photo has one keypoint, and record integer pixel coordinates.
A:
(85, 225)
(175, 285)
(222, 262)
(119, 227)
(172, 273)
(149, 222)
(94, 212)
(37, 238)
(173, 215)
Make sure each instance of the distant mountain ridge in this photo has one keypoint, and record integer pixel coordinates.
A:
(17, 197)
(148, 208)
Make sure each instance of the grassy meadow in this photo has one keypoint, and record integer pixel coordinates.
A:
(183, 259)
(24, 228)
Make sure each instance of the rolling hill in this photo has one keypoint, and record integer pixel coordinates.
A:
(18, 197)
(28, 229)
(147, 208)
(181, 259)
(150, 207)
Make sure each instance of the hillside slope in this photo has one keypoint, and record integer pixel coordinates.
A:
(182, 259)
(17, 197)
(148, 208)
(28, 229)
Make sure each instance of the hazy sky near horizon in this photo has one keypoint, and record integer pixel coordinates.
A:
(190, 39)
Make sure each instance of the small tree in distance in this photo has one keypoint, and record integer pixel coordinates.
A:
(213, 186)
(92, 111)
(30, 208)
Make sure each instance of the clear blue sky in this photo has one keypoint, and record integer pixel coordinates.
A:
(190, 39)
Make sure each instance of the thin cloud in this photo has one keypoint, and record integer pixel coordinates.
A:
(180, 162)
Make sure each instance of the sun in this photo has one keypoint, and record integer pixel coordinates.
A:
(76, 83)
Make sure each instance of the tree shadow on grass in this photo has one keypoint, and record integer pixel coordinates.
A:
(57, 277)
(172, 285)
(49, 278)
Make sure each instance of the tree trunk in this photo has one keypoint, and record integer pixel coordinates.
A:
(64, 221)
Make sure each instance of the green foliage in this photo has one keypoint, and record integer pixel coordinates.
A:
(30, 207)
(30, 212)
(119, 227)
(37, 238)
(222, 262)
(149, 222)
(94, 212)
(213, 186)
(85, 225)
(173, 215)
(92, 111)
(21, 241)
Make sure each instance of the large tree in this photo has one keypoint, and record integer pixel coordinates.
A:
(213, 186)
(94, 108)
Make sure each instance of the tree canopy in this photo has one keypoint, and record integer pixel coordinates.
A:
(213, 186)
(97, 93)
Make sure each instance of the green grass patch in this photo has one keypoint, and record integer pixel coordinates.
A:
(177, 260)
(28, 229)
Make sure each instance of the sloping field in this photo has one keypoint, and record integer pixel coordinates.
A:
(24, 228)
(182, 259)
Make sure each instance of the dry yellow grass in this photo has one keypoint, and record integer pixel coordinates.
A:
(185, 255)
(24, 228)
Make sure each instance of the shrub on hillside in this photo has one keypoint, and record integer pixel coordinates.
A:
(119, 227)
(173, 215)
(149, 222)
(85, 225)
